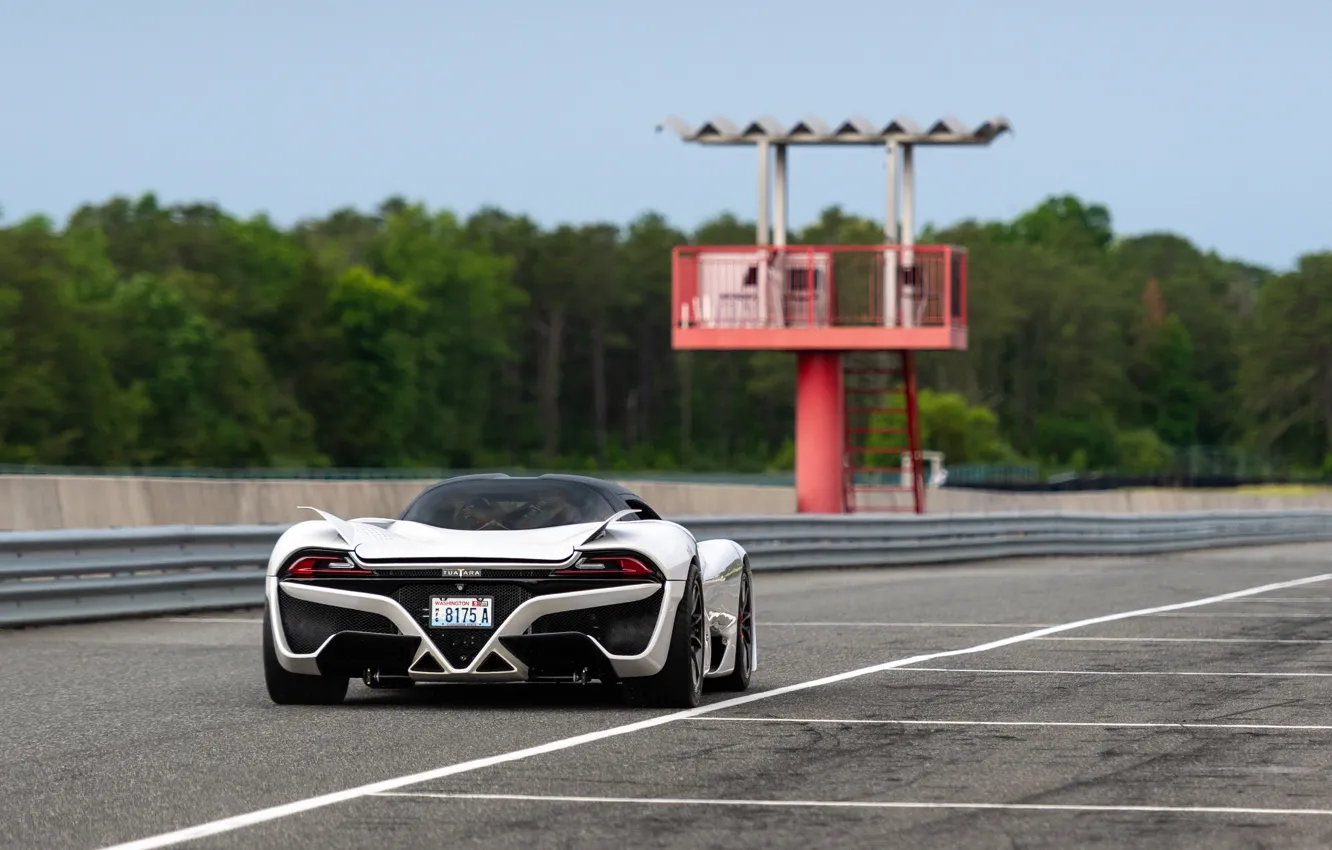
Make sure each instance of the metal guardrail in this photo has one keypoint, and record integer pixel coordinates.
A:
(79, 575)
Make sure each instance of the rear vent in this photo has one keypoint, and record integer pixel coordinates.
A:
(624, 628)
(306, 625)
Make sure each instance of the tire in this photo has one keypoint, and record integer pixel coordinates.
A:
(738, 679)
(679, 684)
(287, 688)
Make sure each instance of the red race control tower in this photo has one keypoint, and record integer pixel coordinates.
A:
(854, 314)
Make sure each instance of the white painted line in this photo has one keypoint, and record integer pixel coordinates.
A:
(1112, 672)
(954, 625)
(1266, 615)
(1188, 640)
(298, 806)
(1288, 599)
(863, 804)
(767, 624)
(1040, 723)
(213, 620)
(831, 623)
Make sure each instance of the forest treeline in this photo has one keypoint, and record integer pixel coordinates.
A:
(140, 334)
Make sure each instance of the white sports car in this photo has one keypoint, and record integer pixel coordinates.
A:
(492, 578)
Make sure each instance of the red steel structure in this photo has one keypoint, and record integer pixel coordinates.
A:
(855, 415)
(854, 315)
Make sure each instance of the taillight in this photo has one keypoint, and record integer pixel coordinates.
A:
(324, 566)
(616, 566)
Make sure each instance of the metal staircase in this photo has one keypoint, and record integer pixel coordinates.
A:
(882, 429)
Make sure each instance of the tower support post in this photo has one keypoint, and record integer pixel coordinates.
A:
(820, 433)
(910, 292)
(892, 231)
(763, 234)
(914, 448)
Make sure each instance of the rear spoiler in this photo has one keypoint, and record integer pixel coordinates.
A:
(346, 529)
(601, 529)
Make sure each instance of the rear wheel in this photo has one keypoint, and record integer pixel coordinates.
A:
(738, 679)
(679, 684)
(288, 688)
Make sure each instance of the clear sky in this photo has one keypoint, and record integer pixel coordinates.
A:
(1204, 117)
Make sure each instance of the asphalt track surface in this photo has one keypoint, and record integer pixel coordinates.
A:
(1202, 725)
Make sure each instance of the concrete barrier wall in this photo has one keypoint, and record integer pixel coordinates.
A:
(1120, 501)
(29, 503)
(46, 502)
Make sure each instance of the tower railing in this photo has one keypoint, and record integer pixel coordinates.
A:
(820, 286)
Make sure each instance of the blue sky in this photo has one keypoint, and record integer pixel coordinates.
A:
(1204, 118)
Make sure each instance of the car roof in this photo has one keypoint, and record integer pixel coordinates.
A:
(615, 493)
(608, 488)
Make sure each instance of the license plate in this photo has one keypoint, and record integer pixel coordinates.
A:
(462, 612)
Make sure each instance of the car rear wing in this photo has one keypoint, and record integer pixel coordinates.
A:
(346, 529)
(601, 529)
(348, 532)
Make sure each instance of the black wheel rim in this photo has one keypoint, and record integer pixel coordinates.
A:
(744, 628)
(696, 642)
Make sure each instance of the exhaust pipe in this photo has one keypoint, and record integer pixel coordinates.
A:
(377, 680)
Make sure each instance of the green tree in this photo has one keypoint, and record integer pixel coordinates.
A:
(146, 333)
(205, 393)
(1287, 370)
(1142, 452)
(1173, 394)
(59, 402)
(461, 311)
(380, 320)
(964, 433)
